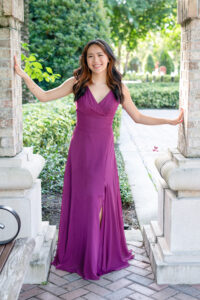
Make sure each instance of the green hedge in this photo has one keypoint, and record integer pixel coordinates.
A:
(151, 78)
(155, 95)
(48, 127)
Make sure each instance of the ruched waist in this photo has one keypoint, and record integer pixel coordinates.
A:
(86, 122)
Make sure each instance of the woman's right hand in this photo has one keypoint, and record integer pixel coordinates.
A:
(18, 69)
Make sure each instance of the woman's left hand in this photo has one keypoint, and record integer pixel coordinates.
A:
(179, 119)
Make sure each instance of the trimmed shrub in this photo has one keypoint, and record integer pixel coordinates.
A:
(157, 95)
(166, 78)
(149, 64)
(165, 60)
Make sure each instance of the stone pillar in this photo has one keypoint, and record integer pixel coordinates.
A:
(20, 187)
(189, 133)
(11, 16)
(173, 241)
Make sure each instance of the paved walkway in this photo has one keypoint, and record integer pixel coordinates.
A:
(146, 137)
(136, 281)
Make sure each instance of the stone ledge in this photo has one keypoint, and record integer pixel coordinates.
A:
(38, 269)
(177, 170)
(10, 280)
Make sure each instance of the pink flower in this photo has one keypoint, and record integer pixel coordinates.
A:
(155, 148)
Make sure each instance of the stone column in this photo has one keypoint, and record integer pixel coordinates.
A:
(173, 242)
(11, 16)
(20, 187)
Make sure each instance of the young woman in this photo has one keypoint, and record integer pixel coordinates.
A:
(91, 240)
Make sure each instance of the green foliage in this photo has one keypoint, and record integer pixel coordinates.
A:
(167, 39)
(135, 77)
(44, 282)
(33, 67)
(116, 123)
(125, 190)
(155, 95)
(133, 20)
(165, 60)
(149, 64)
(48, 127)
(59, 29)
(172, 39)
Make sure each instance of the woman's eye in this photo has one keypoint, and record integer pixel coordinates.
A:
(91, 56)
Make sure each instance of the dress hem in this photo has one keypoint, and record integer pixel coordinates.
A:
(98, 277)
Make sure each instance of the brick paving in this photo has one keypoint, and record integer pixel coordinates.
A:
(134, 282)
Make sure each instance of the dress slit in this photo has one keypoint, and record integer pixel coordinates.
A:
(100, 215)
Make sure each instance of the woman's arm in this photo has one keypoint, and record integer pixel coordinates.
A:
(138, 117)
(63, 90)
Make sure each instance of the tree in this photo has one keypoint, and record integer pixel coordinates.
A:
(134, 64)
(165, 60)
(59, 29)
(149, 66)
(172, 42)
(131, 20)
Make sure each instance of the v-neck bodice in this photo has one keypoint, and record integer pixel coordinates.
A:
(93, 116)
(98, 102)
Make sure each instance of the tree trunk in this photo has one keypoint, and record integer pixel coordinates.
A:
(126, 62)
(119, 56)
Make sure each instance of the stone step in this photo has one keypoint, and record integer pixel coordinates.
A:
(133, 235)
(38, 268)
(148, 237)
(39, 239)
(10, 280)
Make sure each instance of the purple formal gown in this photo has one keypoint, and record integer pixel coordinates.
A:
(91, 182)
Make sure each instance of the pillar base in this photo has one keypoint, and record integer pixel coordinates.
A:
(166, 268)
(20, 188)
(173, 241)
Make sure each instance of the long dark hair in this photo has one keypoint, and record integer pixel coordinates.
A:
(83, 74)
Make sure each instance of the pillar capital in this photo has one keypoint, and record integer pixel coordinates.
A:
(177, 171)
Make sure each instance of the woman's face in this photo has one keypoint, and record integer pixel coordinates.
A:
(97, 60)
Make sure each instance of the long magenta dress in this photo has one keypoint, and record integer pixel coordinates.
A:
(91, 181)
